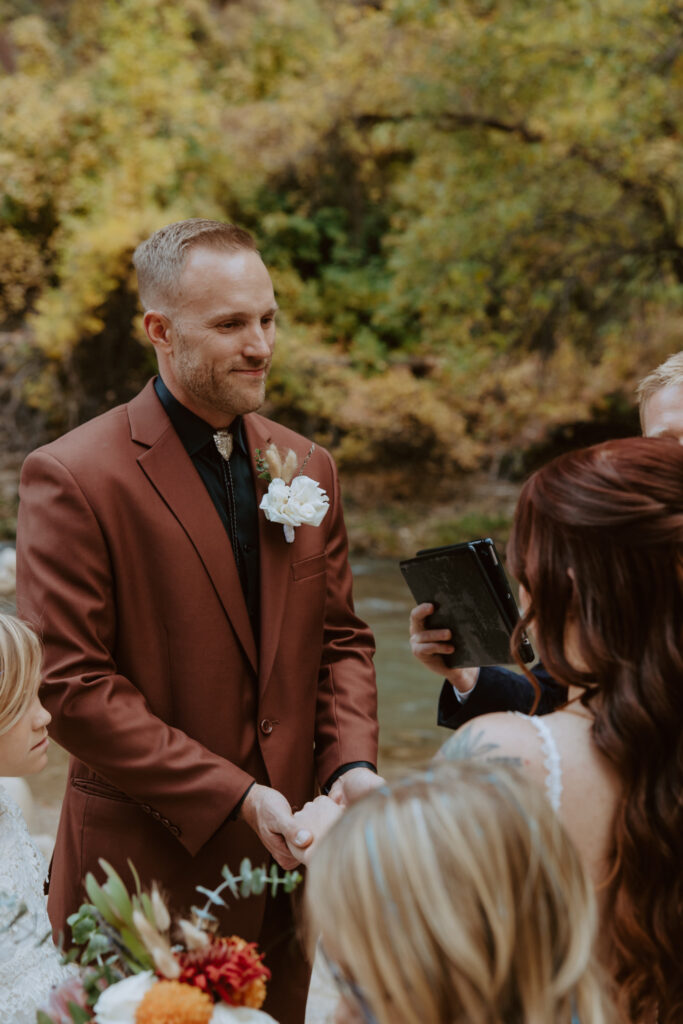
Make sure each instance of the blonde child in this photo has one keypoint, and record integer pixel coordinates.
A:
(28, 969)
(455, 897)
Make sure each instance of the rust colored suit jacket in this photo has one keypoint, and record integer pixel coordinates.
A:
(152, 675)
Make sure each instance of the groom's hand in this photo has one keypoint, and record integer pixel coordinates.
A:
(270, 815)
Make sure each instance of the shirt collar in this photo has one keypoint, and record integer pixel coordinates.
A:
(193, 431)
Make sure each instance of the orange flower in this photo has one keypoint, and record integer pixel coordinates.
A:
(170, 1002)
(229, 970)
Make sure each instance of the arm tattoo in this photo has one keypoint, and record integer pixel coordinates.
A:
(466, 744)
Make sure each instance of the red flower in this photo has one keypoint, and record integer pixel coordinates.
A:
(229, 970)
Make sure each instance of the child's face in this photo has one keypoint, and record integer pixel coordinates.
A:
(23, 749)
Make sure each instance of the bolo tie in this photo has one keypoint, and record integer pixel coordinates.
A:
(224, 443)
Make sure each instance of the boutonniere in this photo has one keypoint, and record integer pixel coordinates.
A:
(293, 500)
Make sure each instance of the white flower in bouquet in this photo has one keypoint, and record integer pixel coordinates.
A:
(224, 1014)
(118, 1003)
(301, 503)
(122, 1003)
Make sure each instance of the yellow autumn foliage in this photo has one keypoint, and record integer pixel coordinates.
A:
(472, 210)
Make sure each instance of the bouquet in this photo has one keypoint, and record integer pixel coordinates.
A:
(135, 965)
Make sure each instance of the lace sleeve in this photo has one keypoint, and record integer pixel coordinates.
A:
(29, 967)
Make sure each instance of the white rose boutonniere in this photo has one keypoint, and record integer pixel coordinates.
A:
(290, 500)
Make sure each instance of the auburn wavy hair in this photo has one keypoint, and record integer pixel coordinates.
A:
(598, 539)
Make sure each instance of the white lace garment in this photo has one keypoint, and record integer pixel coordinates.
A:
(27, 970)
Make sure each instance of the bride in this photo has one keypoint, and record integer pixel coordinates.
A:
(28, 968)
(597, 546)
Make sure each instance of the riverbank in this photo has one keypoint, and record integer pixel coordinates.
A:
(392, 518)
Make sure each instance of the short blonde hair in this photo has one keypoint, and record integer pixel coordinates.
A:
(668, 372)
(455, 895)
(159, 260)
(21, 659)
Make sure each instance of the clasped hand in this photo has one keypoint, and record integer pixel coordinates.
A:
(291, 838)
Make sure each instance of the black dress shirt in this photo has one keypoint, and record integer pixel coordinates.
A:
(197, 438)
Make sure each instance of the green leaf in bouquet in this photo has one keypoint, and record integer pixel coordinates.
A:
(204, 915)
(147, 908)
(78, 1014)
(99, 899)
(92, 979)
(42, 1018)
(212, 896)
(85, 910)
(98, 945)
(82, 924)
(274, 880)
(258, 880)
(117, 893)
(231, 880)
(136, 877)
(245, 876)
(292, 879)
(131, 939)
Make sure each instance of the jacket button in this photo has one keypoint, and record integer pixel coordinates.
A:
(266, 727)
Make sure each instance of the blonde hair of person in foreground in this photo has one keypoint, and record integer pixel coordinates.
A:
(456, 897)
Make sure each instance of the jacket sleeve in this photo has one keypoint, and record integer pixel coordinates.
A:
(500, 689)
(346, 711)
(65, 589)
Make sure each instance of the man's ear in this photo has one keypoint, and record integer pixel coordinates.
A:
(157, 328)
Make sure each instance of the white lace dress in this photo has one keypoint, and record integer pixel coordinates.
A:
(27, 970)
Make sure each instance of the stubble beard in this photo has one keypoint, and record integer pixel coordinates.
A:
(220, 392)
(223, 393)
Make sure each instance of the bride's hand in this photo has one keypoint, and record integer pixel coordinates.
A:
(317, 816)
(430, 645)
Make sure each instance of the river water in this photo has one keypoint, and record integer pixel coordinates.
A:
(407, 692)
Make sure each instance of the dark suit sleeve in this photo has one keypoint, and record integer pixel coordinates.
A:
(499, 689)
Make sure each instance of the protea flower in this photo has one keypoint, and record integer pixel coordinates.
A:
(229, 970)
(69, 992)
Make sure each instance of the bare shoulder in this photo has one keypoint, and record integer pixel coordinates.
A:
(499, 738)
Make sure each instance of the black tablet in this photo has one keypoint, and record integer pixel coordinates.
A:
(471, 595)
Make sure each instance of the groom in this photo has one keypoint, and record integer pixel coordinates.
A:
(205, 674)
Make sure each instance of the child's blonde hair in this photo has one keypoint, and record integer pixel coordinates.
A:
(455, 895)
(21, 658)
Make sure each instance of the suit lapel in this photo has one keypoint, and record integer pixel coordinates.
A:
(275, 558)
(170, 470)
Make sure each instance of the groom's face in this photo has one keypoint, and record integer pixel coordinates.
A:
(221, 334)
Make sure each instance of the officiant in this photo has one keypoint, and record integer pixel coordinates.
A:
(204, 665)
